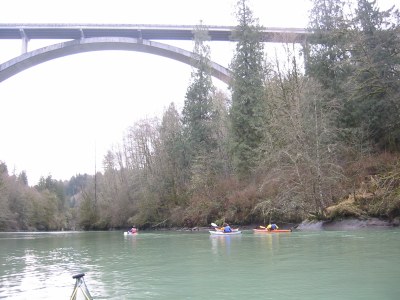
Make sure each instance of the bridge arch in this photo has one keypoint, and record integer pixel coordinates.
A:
(38, 56)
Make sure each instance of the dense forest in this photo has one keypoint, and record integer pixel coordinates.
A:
(315, 135)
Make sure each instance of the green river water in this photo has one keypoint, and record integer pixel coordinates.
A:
(359, 264)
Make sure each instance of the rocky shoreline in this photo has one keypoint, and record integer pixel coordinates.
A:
(348, 224)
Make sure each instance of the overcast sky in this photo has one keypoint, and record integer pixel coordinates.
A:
(60, 117)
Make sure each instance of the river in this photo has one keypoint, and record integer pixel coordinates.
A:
(358, 264)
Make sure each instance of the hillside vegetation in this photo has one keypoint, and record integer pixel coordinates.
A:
(376, 191)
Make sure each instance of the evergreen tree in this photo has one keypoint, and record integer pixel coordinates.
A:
(23, 178)
(197, 111)
(248, 111)
(328, 62)
(374, 87)
(3, 168)
(327, 51)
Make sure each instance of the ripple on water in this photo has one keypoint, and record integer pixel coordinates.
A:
(162, 265)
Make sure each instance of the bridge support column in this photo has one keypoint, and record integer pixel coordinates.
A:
(306, 52)
(25, 41)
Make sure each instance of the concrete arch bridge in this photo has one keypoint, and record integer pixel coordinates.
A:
(96, 37)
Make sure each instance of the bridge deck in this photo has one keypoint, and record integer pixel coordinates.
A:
(148, 32)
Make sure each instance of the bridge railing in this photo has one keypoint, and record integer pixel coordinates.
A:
(140, 31)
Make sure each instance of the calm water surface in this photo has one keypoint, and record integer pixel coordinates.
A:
(171, 265)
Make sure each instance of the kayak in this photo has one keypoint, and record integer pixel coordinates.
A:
(271, 231)
(129, 233)
(221, 230)
(224, 233)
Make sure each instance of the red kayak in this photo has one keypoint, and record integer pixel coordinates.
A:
(271, 231)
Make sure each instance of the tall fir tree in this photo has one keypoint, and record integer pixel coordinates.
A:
(328, 61)
(373, 87)
(248, 111)
(327, 48)
(197, 111)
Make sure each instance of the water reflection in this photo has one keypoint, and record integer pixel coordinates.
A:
(269, 242)
(221, 244)
(131, 239)
(306, 265)
(41, 265)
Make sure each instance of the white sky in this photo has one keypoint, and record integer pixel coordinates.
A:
(55, 116)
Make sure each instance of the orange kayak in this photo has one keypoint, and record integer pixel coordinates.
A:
(271, 231)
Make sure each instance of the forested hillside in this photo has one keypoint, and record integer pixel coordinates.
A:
(293, 139)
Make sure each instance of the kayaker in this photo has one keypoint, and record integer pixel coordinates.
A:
(133, 230)
(272, 226)
(227, 228)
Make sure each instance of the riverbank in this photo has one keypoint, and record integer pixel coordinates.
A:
(348, 224)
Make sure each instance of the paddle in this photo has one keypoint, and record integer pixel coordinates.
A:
(216, 227)
(262, 227)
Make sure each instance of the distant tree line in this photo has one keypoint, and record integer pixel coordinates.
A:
(281, 146)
